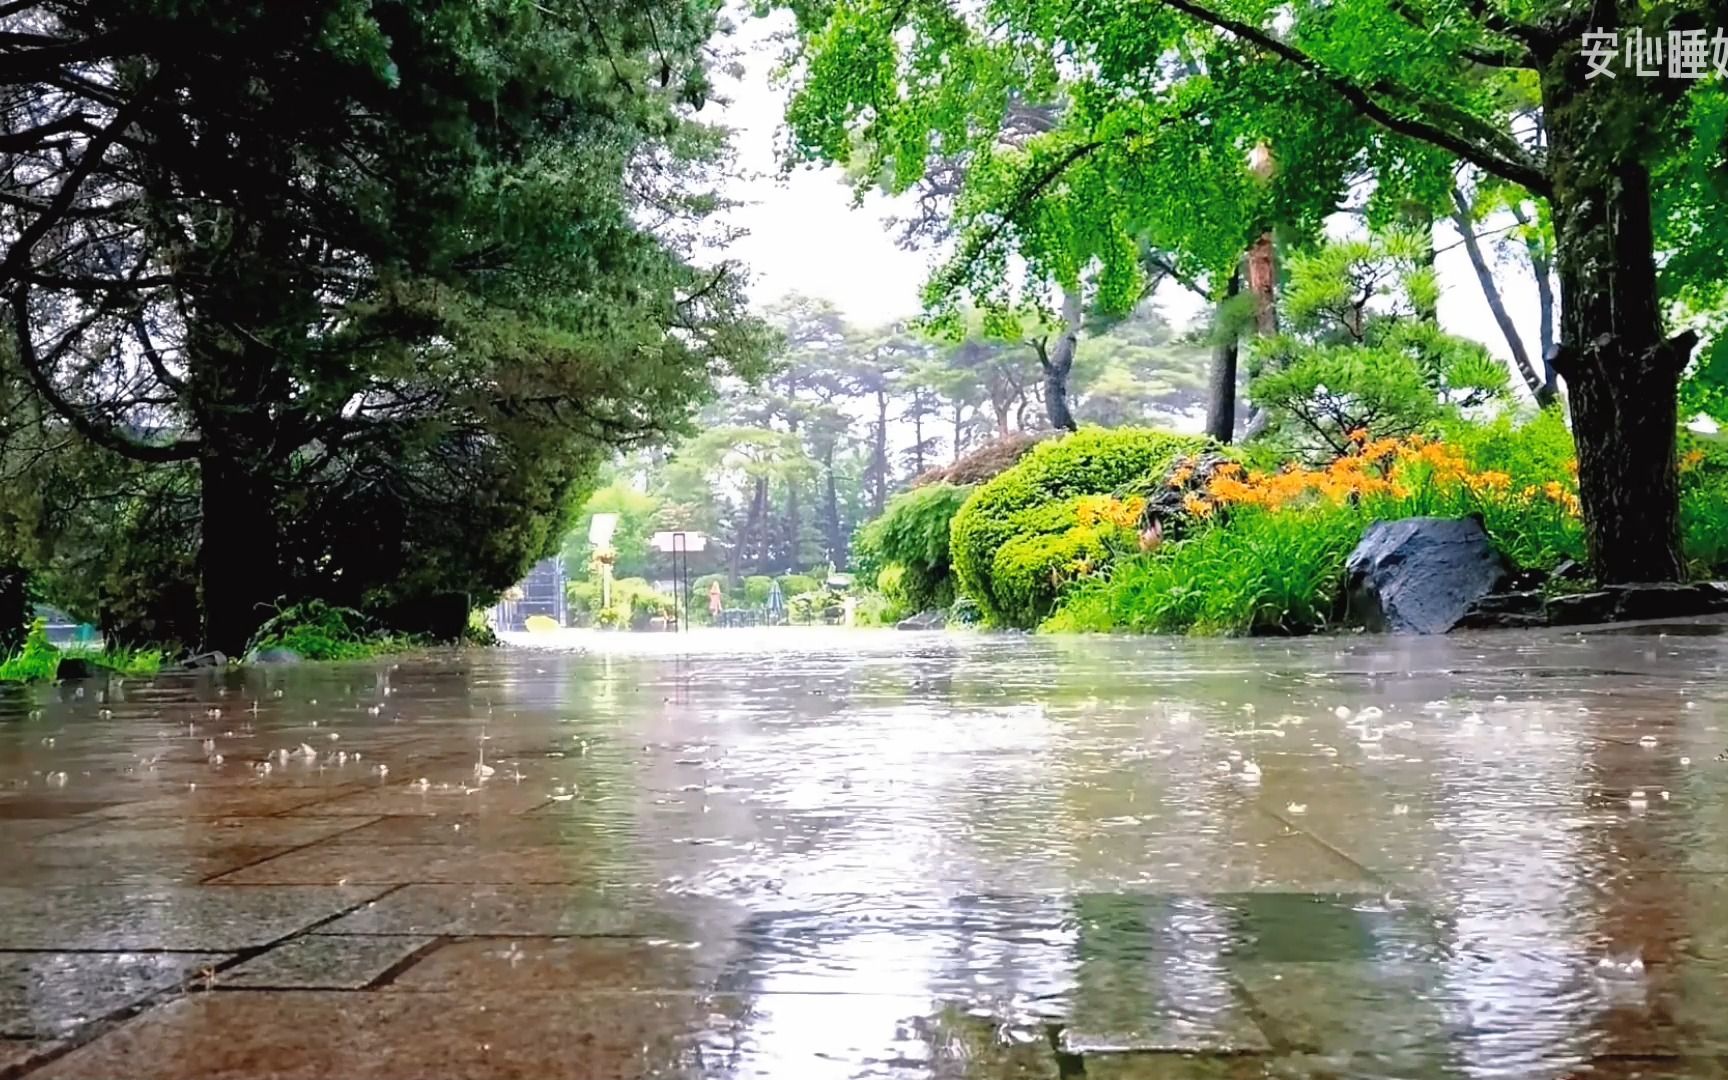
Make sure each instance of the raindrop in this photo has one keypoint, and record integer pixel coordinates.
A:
(1250, 772)
(1637, 800)
(1372, 712)
(1624, 966)
(1296, 808)
(421, 785)
(1648, 742)
(1342, 712)
(56, 779)
(1685, 761)
(1400, 809)
(381, 770)
(209, 746)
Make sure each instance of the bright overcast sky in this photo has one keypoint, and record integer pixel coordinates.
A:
(805, 235)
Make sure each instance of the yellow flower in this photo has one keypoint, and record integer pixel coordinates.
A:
(1691, 459)
(1196, 505)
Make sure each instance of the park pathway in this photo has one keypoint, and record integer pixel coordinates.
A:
(809, 854)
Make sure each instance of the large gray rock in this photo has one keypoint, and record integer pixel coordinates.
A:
(1420, 575)
(924, 620)
(274, 655)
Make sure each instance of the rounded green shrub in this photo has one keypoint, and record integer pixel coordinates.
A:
(1029, 572)
(756, 589)
(1017, 505)
(891, 583)
(793, 584)
(913, 533)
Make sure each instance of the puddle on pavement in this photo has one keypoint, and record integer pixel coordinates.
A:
(879, 854)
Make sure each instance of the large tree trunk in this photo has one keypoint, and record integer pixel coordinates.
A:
(1221, 379)
(1058, 363)
(14, 607)
(1622, 373)
(1464, 218)
(239, 562)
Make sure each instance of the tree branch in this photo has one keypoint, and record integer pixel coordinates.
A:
(1519, 170)
(104, 435)
(19, 254)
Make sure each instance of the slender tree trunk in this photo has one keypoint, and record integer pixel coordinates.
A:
(1622, 372)
(1221, 379)
(1463, 217)
(831, 510)
(879, 490)
(752, 524)
(1263, 286)
(1058, 363)
(959, 416)
(794, 525)
(1542, 270)
(918, 434)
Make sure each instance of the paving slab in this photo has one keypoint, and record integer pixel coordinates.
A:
(187, 918)
(324, 962)
(51, 995)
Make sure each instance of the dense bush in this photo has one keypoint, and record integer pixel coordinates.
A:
(1015, 506)
(793, 584)
(913, 534)
(1270, 550)
(756, 589)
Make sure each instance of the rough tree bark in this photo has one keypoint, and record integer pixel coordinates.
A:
(1623, 373)
(1058, 363)
(1221, 379)
(1263, 286)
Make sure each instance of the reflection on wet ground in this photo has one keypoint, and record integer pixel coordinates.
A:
(801, 855)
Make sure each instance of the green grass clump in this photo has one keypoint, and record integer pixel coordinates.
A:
(1266, 572)
(315, 630)
(39, 660)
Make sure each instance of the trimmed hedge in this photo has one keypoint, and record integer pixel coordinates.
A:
(1016, 507)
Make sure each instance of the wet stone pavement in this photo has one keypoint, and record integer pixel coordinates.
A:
(811, 855)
